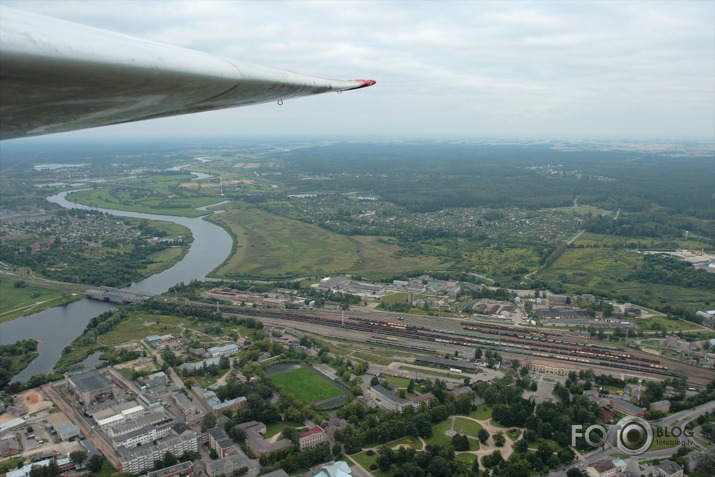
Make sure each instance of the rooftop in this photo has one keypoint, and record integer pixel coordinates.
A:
(90, 381)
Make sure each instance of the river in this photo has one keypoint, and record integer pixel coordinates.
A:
(55, 328)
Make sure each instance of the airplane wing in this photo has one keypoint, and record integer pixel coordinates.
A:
(58, 76)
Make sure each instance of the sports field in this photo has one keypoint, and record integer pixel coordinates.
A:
(305, 385)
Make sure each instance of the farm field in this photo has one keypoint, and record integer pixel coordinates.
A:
(305, 385)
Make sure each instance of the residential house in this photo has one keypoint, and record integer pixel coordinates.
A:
(601, 468)
(626, 408)
(315, 436)
(663, 406)
(667, 468)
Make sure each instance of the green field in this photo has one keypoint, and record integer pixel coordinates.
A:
(466, 427)
(483, 412)
(466, 456)
(602, 270)
(305, 385)
(439, 435)
(16, 302)
(398, 381)
(664, 323)
(366, 461)
(145, 200)
(271, 246)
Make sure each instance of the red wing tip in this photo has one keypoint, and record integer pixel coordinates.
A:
(364, 83)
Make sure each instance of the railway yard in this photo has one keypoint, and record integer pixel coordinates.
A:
(427, 334)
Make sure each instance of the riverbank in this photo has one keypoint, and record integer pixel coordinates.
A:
(34, 296)
(56, 327)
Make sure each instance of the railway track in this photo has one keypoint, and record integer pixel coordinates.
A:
(422, 333)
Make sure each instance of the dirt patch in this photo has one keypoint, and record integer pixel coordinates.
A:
(34, 399)
(401, 446)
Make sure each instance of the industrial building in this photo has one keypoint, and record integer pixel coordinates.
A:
(90, 387)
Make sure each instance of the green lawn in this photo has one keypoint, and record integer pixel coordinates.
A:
(466, 426)
(305, 385)
(398, 381)
(406, 441)
(483, 412)
(366, 461)
(467, 457)
(276, 427)
(438, 433)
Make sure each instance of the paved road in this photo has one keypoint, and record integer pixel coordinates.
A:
(682, 417)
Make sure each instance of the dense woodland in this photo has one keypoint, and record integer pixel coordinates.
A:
(431, 177)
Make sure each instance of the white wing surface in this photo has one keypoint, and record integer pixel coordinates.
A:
(58, 76)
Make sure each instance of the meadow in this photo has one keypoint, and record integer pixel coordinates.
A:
(271, 246)
(20, 301)
(603, 271)
(154, 201)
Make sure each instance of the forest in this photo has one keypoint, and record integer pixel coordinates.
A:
(431, 177)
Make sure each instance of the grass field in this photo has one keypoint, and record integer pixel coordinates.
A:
(305, 385)
(398, 381)
(150, 201)
(141, 326)
(163, 260)
(271, 246)
(17, 302)
(664, 323)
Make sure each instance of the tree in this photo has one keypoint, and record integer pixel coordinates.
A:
(574, 473)
(499, 439)
(460, 442)
(78, 457)
(169, 459)
(95, 463)
(521, 446)
(209, 422)
(483, 435)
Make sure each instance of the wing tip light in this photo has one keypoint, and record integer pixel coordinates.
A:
(363, 83)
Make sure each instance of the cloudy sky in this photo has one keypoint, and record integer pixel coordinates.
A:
(510, 69)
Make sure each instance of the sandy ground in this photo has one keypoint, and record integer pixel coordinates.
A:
(34, 399)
